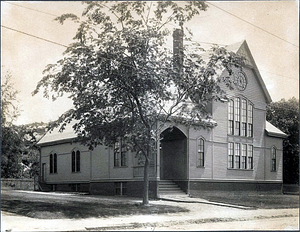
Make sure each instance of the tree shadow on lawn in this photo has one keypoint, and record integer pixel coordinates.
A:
(76, 210)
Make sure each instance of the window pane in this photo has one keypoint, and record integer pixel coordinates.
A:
(273, 155)
(124, 188)
(244, 156)
(55, 163)
(200, 152)
(123, 159)
(118, 188)
(237, 109)
(77, 161)
(51, 163)
(230, 155)
(237, 155)
(230, 117)
(250, 157)
(73, 161)
(244, 110)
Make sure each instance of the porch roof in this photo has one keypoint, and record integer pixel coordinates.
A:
(273, 131)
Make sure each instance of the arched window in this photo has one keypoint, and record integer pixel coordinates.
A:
(200, 151)
(53, 163)
(75, 161)
(273, 159)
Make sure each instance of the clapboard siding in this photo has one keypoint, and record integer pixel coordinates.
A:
(269, 143)
(100, 163)
(64, 164)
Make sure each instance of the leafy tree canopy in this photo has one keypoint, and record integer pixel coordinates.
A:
(9, 103)
(123, 79)
(19, 154)
(284, 114)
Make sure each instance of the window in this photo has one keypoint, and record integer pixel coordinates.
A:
(240, 117)
(121, 188)
(237, 116)
(230, 155)
(273, 157)
(250, 157)
(120, 153)
(237, 155)
(244, 156)
(230, 117)
(240, 156)
(200, 153)
(244, 118)
(250, 120)
(53, 163)
(76, 161)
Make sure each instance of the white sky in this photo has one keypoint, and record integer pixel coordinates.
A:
(26, 57)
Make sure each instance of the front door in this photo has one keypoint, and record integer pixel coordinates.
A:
(173, 155)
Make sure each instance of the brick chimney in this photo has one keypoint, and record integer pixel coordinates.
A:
(178, 48)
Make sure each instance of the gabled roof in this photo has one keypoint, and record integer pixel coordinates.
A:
(273, 131)
(51, 137)
(242, 49)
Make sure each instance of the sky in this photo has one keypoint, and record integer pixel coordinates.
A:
(271, 29)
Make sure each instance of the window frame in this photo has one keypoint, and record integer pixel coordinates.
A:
(240, 117)
(200, 152)
(273, 159)
(121, 188)
(75, 161)
(240, 156)
(120, 153)
(231, 155)
(53, 163)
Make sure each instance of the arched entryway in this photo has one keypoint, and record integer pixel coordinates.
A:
(173, 155)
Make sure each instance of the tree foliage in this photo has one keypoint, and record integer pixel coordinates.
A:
(122, 78)
(19, 154)
(285, 116)
(9, 103)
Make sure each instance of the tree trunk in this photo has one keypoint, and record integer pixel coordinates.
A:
(146, 182)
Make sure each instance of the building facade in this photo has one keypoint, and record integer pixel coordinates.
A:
(242, 151)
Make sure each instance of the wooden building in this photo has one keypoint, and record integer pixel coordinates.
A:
(242, 152)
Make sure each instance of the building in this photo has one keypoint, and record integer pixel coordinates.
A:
(242, 152)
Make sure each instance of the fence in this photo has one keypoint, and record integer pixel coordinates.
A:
(22, 184)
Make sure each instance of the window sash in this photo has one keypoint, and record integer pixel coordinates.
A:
(55, 163)
(230, 155)
(201, 152)
(244, 156)
(76, 161)
(51, 163)
(250, 156)
(73, 161)
(273, 164)
(120, 153)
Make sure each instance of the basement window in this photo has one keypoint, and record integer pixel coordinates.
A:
(121, 188)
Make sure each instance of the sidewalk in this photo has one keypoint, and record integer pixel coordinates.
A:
(200, 212)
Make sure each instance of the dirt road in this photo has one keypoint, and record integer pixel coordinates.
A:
(197, 216)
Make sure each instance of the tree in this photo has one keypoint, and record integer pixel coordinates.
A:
(19, 154)
(9, 103)
(285, 115)
(124, 81)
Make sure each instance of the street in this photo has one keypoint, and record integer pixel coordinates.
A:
(197, 216)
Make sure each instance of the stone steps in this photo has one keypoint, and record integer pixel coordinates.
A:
(168, 187)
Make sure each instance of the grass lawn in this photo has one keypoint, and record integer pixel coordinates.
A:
(63, 206)
(257, 200)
